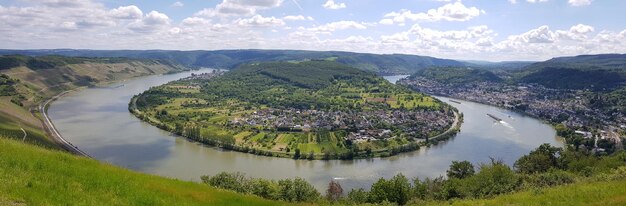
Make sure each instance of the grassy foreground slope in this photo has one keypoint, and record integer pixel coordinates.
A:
(31, 175)
(589, 193)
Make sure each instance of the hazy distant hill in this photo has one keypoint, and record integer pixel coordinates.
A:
(596, 72)
(457, 75)
(505, 65)
(379, 63)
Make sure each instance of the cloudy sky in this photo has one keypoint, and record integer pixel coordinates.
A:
(494, 30)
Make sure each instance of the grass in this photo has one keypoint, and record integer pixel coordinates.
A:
(587, 193)
(30, 175)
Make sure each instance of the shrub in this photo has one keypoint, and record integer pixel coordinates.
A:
(297, 190)
(551, 178)
(358, 196)
(460, 170)
(229, 181)
(492, 179)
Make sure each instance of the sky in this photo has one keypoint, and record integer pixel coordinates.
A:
(491, 30)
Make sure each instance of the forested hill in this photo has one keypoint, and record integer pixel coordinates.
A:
(227, 59)
(293, 84)
(595, 72)
(309, 74)
(457, 75)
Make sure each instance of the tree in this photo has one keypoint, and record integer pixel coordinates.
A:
(334, 191)
(460, 170)
(397, 190)
(296, 155)
(231, 181)
(492, 179)
(264, 188)
(297, 190)
(358, 196)
(539, 160)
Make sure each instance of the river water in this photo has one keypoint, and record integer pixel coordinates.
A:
(98, 122)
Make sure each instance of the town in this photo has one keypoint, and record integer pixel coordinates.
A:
(364, 125)
(568, 107)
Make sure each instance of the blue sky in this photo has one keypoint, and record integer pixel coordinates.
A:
(495, 30)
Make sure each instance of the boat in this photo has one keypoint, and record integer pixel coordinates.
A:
(494, 117)
(452, 100)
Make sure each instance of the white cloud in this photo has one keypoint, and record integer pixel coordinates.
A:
(394, 38)
(260, 21)
(579, 2)
(538, 35)
(581, 29)
(126, 12)
(339, 25)
(513, 1)
(330, 4)
(535, 1)
(386, 21)
(450, 12)
(89, 25)
(484, 42)
(297, 18)
(238, 8)
(156, 18)
(577, 32)
(152, 22)
(194, 21)
(177, 4)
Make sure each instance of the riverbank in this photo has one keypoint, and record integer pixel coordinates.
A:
(545, 121)
(52, 131)
(32, 90)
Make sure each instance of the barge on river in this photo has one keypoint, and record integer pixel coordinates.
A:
(494, 117)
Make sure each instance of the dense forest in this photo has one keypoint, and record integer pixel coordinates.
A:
(309, 109)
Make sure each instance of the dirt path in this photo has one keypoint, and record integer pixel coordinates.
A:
(23, 138)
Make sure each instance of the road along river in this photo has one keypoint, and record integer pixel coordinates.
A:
(97, 121)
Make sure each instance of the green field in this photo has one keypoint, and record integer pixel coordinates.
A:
(30, 175)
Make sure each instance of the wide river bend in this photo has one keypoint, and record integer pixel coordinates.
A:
(98, 122)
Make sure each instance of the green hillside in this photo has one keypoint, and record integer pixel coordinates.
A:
(595, 72)
(25, 82)
(308, 109)
(457, 75)
(30, 175)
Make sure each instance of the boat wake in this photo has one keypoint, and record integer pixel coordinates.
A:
(506, 124)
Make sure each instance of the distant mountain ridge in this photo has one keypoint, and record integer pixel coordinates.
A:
(227, 59)
(457, 75)
(595, 72)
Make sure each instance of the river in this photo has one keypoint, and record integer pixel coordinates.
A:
(98, 122)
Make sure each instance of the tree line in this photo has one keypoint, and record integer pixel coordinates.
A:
(546, 166)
